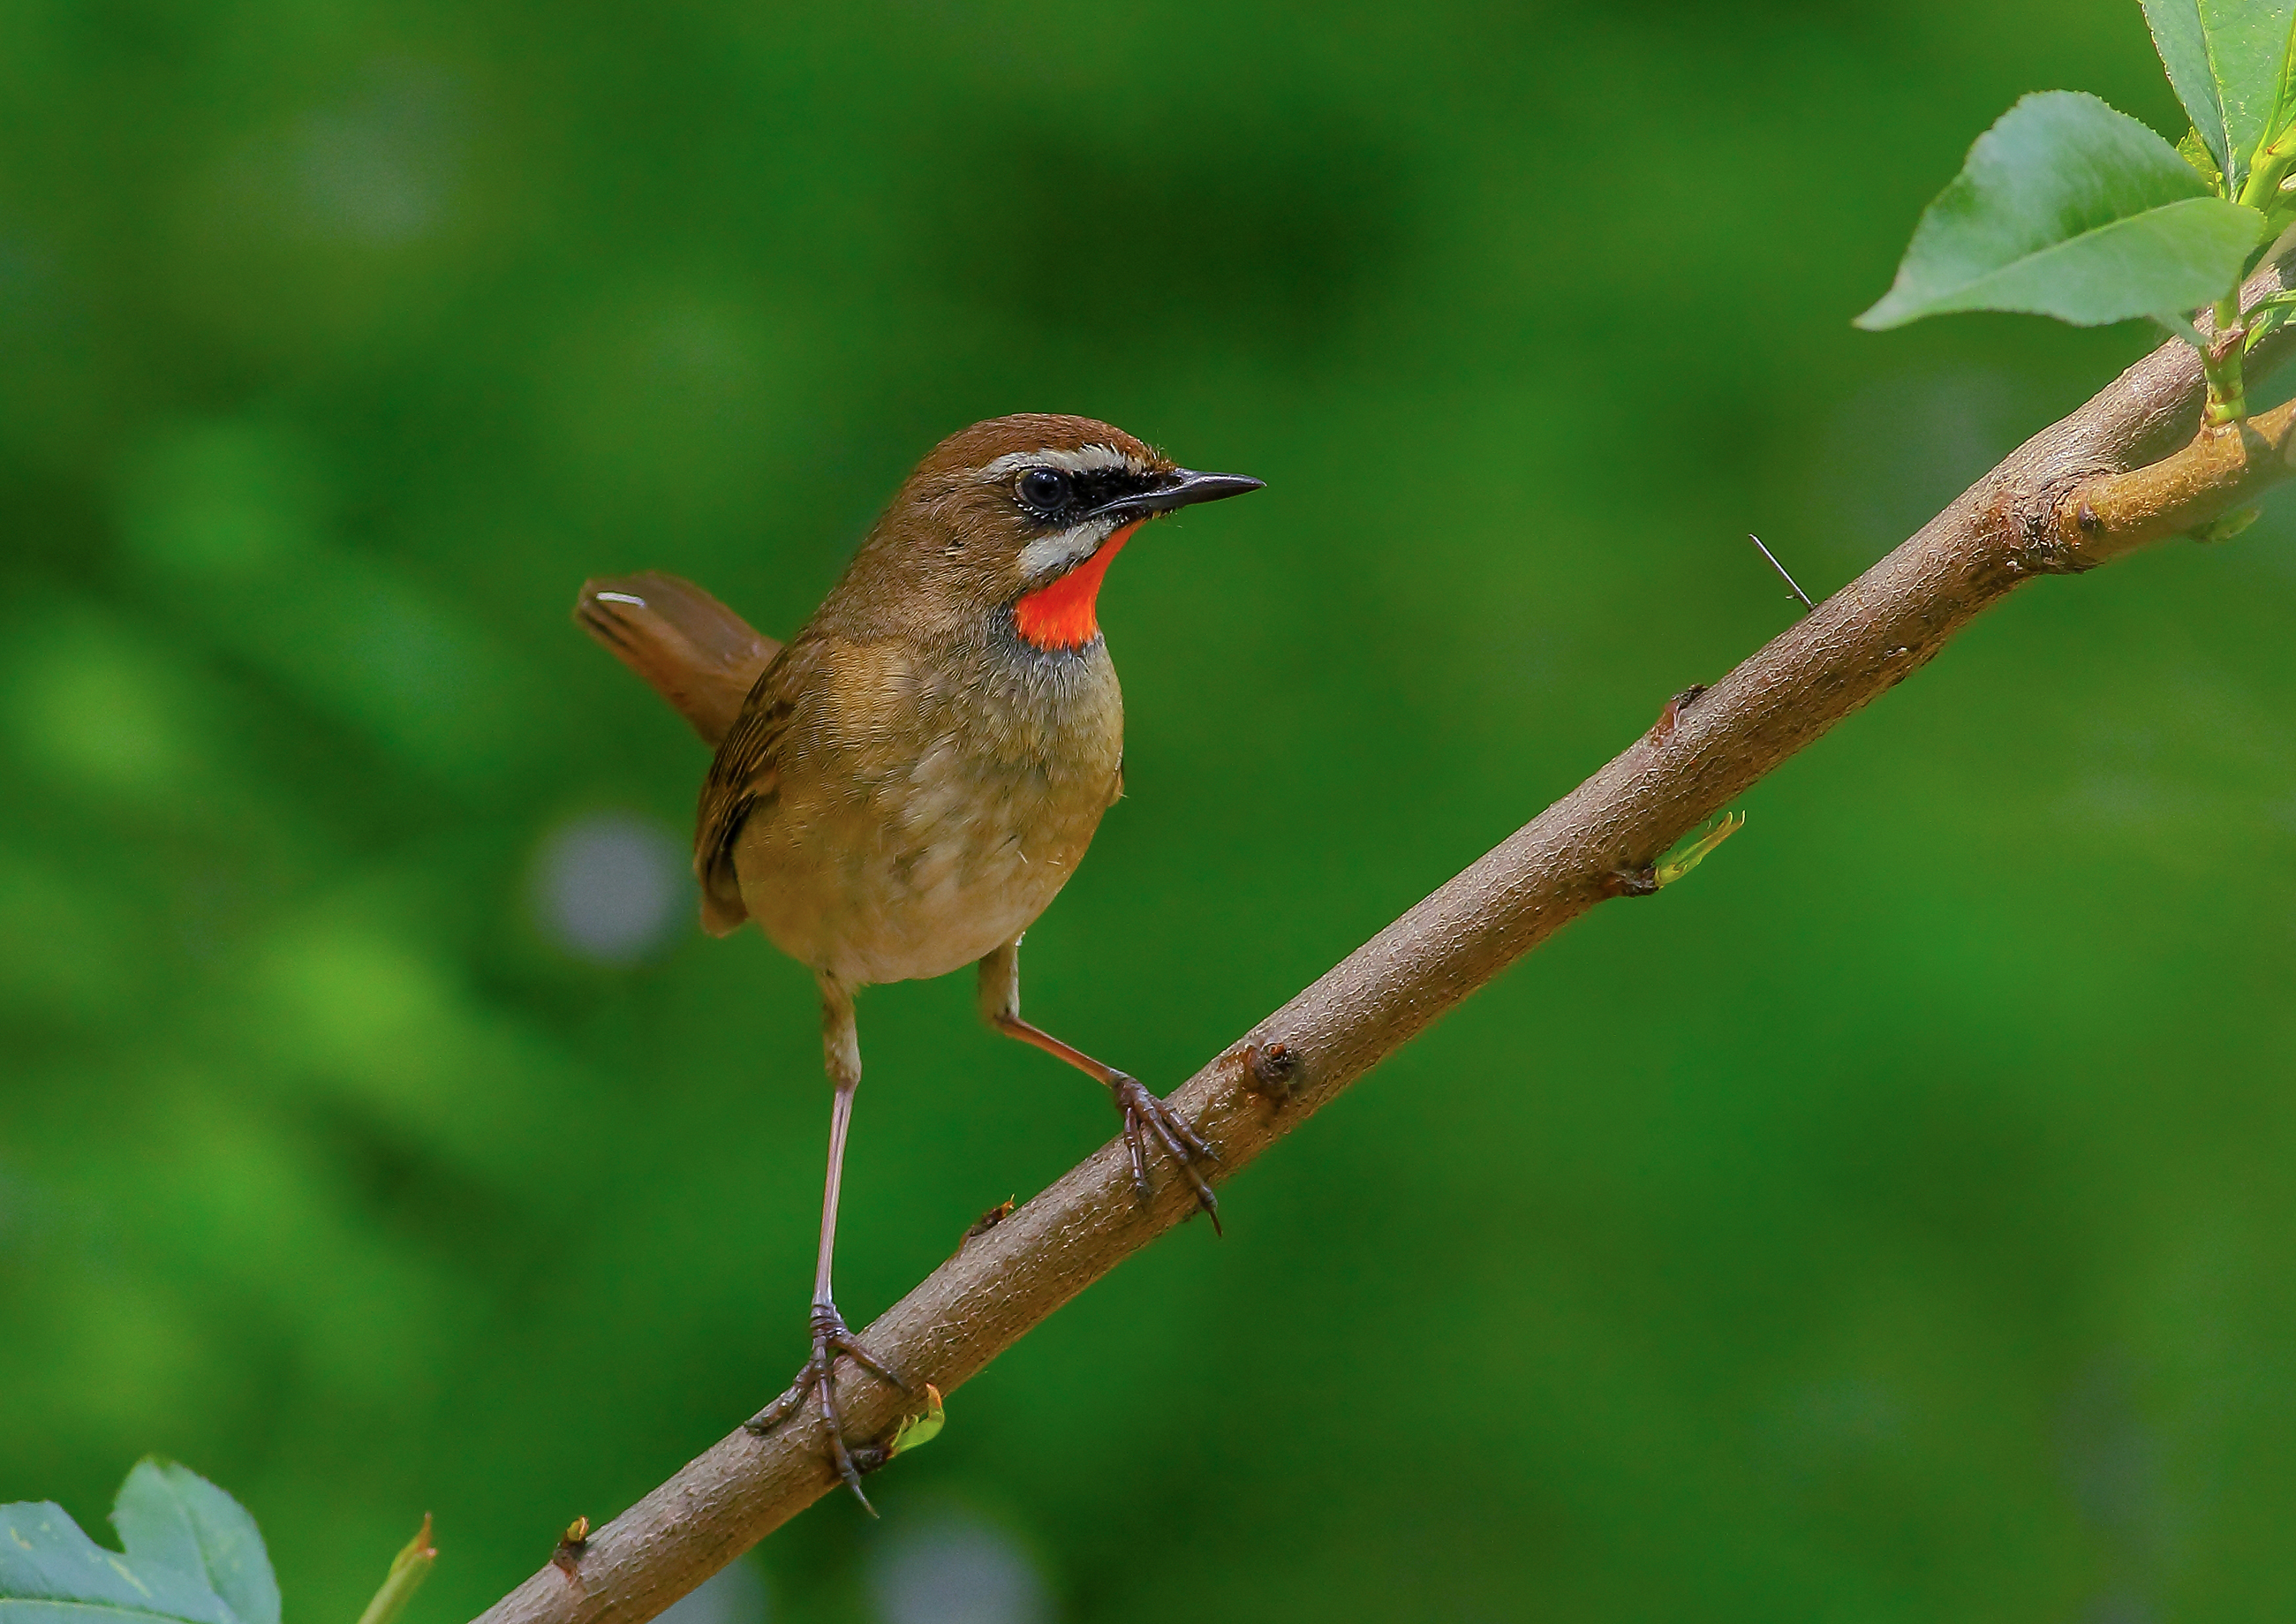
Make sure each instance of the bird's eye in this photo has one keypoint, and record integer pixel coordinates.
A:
(1044, 491)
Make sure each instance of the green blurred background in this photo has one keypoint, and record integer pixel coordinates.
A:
(1893, 1223)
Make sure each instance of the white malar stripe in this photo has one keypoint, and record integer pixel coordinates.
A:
(1072, 546)
(1082, 460)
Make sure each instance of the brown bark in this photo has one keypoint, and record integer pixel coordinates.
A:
(2221, 467)
(2059, 504)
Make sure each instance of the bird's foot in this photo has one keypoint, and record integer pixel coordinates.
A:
(1145, 1114)
(830, 1338)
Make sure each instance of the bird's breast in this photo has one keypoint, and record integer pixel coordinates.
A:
(928, 808)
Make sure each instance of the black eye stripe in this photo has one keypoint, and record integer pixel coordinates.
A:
(1059, 493)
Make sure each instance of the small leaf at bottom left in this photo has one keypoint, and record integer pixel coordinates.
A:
(189, 1560)
(169, 1516)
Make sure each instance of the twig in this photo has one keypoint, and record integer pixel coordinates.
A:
(2224, 465)
(1849, 650)
(1793, 584)
(409, 1570)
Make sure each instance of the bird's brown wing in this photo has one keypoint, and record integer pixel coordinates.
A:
(692, 650)
(745, 778)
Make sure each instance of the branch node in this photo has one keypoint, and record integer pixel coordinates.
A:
(1631, 882)
(1662, 729)
(1271, 1069)
(2189, 492)
(985, 1222)
(571, 1544)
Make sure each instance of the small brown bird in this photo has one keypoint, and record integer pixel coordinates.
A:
(905, 787)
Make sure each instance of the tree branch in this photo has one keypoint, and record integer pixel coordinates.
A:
(2223, 465)
(2061, 504)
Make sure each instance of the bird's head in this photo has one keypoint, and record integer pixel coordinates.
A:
(1023, 514)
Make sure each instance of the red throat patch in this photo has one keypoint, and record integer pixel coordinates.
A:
(1063, 615)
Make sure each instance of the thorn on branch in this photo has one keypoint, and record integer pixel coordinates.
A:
(1791, 585)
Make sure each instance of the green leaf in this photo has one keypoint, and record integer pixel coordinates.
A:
(2196, 152)
(2227, 526)
(192, 1555)
(2267, 315)
(916, 1431)
(2181, 325)
(2068, 208)
(170, 1516)
(2228, 60)
(1694, 848)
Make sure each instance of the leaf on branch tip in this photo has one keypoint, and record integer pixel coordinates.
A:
(1692, 850)
(916, 1431)
(191, 1555)
(2229, 61)
(2068, 208)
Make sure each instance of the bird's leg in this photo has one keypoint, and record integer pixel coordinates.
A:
(840, 1043)
(1144, 1113)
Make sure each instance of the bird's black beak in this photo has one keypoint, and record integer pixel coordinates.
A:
(1182, 487)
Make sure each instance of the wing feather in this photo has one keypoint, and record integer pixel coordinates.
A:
(745, 778)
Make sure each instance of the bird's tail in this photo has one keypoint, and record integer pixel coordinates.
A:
(692, 650)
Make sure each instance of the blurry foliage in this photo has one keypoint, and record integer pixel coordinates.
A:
(1891, 1223)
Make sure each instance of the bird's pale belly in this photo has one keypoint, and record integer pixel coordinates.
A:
(922, 872)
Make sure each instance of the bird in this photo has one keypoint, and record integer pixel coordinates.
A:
(903, 788)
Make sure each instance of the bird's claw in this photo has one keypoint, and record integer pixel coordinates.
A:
(1144, 1114)
(830, 1338)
